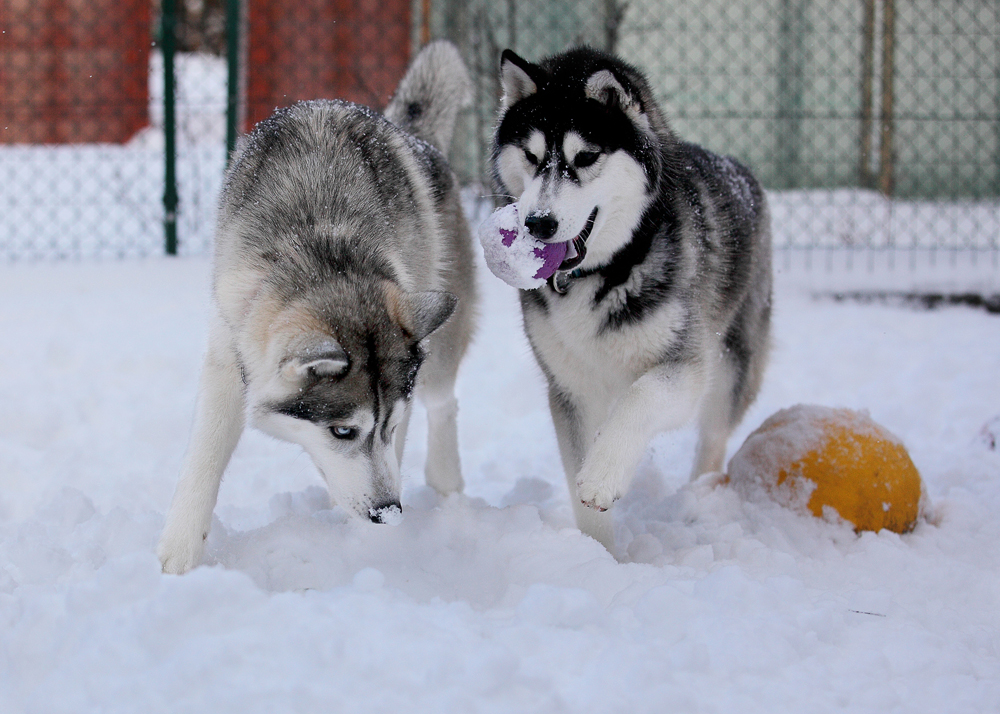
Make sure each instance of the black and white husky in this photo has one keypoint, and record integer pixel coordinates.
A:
(342, 284)
(661, 311)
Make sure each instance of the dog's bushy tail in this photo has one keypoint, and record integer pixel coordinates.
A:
(428, 98)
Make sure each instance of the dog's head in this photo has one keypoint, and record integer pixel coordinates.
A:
(578, 146)
(337, 376)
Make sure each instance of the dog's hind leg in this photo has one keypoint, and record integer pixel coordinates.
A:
(219, 420)
(736, 379)
(443, 469)
(565, 419)
(445, 349)
(715, 420)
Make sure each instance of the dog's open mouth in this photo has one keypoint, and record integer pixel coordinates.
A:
(577, 249)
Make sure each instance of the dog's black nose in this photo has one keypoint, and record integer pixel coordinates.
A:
(388, 512)
(541, 226)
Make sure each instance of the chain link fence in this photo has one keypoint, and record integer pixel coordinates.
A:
(82, 144)
(875, 124)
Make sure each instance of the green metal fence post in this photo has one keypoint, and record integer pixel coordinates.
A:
(233, 83)
(886, 179)
(791, 82)
(168, 24)
(866, 177)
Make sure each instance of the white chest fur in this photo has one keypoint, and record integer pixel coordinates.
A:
(593, 362)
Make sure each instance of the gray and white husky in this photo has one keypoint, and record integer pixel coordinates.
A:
(342, 285)
(660, 313)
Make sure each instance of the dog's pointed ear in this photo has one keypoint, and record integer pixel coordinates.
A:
(418, 314)
(602, 86)
(518, 78)
(430, 310)
(317, 354)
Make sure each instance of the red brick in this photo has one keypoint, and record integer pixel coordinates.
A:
(308, 49)
(74, 71)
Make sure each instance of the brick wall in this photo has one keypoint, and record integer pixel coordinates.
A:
(73, 71)
(308, 49)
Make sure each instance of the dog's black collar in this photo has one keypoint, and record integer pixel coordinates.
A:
(561, 279)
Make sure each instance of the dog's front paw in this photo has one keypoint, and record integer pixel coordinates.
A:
(596, 489)
(180, 551)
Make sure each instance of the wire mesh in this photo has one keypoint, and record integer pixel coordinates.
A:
(73, 94)
(874, 124)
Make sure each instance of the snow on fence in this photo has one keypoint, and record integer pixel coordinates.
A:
(85, 201)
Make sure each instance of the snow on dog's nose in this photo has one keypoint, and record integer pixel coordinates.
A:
(390, 513)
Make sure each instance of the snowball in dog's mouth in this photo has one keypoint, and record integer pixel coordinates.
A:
(577, 249)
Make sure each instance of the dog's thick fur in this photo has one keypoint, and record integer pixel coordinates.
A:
(667, 317)
(342, 284)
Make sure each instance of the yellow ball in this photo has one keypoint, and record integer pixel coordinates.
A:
(812, 457)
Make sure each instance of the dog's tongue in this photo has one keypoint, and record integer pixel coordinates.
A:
(553, 254)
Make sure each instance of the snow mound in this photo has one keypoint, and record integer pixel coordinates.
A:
(491, 601)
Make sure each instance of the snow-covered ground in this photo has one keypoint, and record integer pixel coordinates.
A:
(491, 601)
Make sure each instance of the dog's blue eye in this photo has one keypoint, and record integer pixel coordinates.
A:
(532, 159)
(344, 432)
(585, 159)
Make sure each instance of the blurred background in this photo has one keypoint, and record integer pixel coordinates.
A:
(874, 124)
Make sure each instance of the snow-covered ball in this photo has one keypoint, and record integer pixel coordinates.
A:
(514, 255)
(812, 458)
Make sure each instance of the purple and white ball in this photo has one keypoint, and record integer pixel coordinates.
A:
(513, 255)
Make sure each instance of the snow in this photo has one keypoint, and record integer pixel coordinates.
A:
(846, 218)
(490, 601)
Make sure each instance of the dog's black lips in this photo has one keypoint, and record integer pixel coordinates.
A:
(580, 243)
